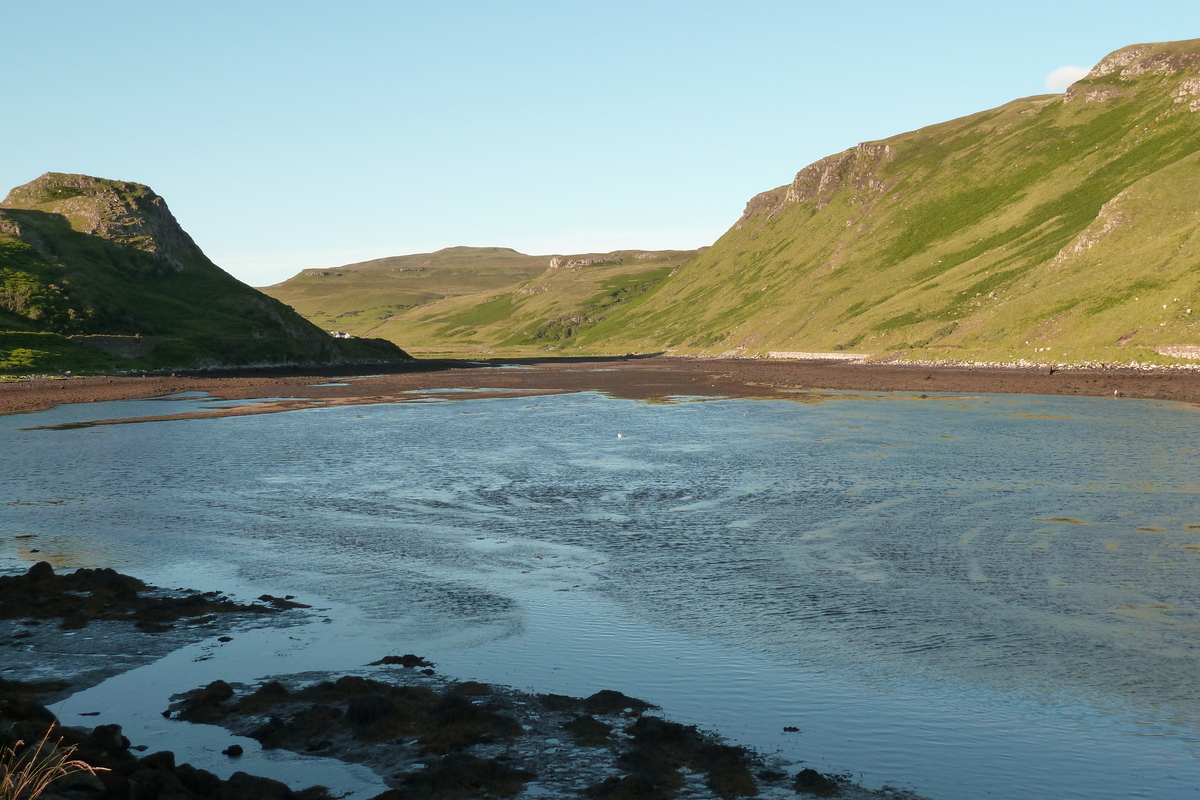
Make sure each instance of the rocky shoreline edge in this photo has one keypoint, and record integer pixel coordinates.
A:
(630, 378)
(424, 734)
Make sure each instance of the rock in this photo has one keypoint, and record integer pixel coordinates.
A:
(233, 751)
(809, 781)
(198, 781)
(406, 660)
(367, 709)
(40, 571)
(163, 759)
(589, 731)
(108, 740)
(242, 786)
(608, 702)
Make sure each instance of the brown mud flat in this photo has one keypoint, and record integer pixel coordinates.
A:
(632, 378)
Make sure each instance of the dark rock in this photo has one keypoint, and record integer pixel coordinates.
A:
(242, 786)
(233, 751)
(205, 705)
(587, 731)
(629, 787)
(809, 781)
(163, 759)
(609, 702)
(407, 660)
(108, 740)
(198, 781)
(369, 708)
(460, 776)
(156, 784)
(560, 702)
(456, 723)
(262, 698)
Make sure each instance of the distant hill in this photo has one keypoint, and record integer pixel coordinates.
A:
(468, 301)
(1053, 228)
(97, 275)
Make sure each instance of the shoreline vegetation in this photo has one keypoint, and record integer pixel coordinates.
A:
(427, 736)
(631, 377)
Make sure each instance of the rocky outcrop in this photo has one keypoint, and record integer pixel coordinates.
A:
(856, 169)
(558, 262)
(1167, 59)
(128, 214)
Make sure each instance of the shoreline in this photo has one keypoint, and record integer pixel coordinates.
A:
(490, 736)
(649, 378)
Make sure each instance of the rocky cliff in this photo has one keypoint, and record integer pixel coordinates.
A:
(87, 256)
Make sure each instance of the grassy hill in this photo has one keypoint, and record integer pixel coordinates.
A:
(1054, 228)
(473, 301)
(1059, 228)
(97, 275)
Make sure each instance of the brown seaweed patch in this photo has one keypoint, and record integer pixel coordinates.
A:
(587, 731)
(809, 781)
(85, 595)
(461, 776)
(661, 749)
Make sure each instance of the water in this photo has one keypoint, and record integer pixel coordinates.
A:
(969, 596)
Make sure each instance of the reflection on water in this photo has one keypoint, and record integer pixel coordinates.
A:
(983, 596)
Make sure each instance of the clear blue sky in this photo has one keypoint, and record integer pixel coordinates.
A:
(290, 134)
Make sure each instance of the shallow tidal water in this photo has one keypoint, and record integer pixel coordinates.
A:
(971, 597)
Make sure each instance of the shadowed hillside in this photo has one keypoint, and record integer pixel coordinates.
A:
(106, 264)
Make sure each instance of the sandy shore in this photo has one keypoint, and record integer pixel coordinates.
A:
(635, 378)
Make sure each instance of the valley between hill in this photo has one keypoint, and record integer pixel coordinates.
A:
(1057, 229)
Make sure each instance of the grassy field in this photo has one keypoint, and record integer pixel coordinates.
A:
(468, 301)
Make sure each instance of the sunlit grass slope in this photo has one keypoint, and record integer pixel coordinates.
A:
(1054, 228)
(471, 301)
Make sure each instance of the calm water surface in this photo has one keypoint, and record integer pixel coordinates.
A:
(973, 597)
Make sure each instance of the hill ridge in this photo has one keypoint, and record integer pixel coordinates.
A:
(100, 259)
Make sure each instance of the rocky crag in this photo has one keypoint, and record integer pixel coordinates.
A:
(103, 259)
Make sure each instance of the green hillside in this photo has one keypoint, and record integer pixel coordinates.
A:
(1054, 228)
(105, 263)
(471, 301)
(1058, 228)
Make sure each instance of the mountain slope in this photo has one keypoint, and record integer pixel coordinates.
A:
(1055, 228)
(468, 301)
(87, 256)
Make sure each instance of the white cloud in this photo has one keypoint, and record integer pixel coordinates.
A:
(1061, 78)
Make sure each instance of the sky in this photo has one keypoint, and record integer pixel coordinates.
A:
(292, 134)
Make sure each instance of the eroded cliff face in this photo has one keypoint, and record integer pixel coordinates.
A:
(856, 169)
(1116, 74)
(128, 214)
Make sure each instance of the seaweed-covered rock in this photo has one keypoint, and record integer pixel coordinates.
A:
(809, 781)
